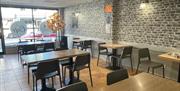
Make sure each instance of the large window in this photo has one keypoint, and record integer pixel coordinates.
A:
(14, 17)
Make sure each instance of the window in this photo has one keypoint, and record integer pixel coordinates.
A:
(18, 24)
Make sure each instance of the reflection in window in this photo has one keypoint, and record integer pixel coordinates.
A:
(24, 16)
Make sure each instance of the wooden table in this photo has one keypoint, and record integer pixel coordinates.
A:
(114, 48)
(53, 55)
(143, 82)
(169, 58)
(34, 43)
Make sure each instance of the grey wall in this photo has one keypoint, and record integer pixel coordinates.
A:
(91, 20)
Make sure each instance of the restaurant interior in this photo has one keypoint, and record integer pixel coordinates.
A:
(89, 45)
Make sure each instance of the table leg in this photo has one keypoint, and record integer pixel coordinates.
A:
(114, 60)
(179, 74)
(44, 87)
(71, 74)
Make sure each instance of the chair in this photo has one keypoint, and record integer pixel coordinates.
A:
(81, 62)
(29, 49)
(80, 86)
(49, 47)
(87, 44)
(39, 48)
(76, 44)
(126, 53)
(45, 70)
(63, 63)
(103, 51)
(145, 59)
(116, 76)
(19, 49)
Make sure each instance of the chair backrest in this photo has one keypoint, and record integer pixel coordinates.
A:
(49, 46)
(144, 54)
(28, 49)
(86, 43)
(80, 86)
(47, 67)
(116, 76)
(101, 48)
(64, 43)
(82, 60)
(127, 52)
(39, 47)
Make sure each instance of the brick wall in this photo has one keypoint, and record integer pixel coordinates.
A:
(91, 20)
(156, 23)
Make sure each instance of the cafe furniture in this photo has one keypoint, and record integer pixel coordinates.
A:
(103, 51)
(144, 58)
(81, 62)
(114, 48)
(46, 70)
(171, 58)
(87, 44)
(116, 76)
(54, 55)
(126, 53)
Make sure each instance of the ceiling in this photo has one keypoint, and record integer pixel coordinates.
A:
(44, 3)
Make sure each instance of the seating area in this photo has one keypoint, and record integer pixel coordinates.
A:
(89, 45)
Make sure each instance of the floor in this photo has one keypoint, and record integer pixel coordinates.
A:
(13, 77)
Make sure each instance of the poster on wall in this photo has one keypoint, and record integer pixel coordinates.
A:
(74, 21)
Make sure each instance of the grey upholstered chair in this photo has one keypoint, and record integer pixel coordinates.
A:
(145, 59)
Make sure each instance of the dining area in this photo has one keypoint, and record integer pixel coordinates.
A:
(90, 45)
(50, 67)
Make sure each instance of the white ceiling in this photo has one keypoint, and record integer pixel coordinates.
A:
(45, 3)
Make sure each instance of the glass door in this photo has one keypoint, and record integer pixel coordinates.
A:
(2, 45)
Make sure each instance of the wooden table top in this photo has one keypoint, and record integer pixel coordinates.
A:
(143, 82)
(80, 40)
(113, 46)
(46, 56)
(33, 43)
(167, 57)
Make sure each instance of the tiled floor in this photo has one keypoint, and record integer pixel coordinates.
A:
(13, 77)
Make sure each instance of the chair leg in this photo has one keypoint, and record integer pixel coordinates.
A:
(28, 74)
(78, 73)
(131, 64)
(62, 70)
(33, 83)
(60, 79)
(137, 68)
(106, 60)
(64, 76)
(36, 85)
(52, 82)
(148, 69)
(90, 76)
(98, 59)
(153, 71)
(91, 52)
(163, 72)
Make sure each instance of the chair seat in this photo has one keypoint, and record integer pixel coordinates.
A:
(77, 68)
(33, 65)
(106, 53)
(65, 62)
(52, 74)
(152, 64)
